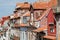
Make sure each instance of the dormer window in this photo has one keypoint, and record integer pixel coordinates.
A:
(38, 13)
(25, 19)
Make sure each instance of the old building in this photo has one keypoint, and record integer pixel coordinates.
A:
(34, 21)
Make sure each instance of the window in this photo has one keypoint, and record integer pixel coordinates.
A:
(11, 37)
(38, 13)
(1, 29)
(51, 27)
(12, 21)
(24, 20)
(28, 18)
(17, 21)
(5, 34)
(59, 23)
(37, 24)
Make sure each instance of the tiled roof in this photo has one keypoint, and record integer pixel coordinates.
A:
(40, 29)
(22, 5)
(45, 13)
(50, 37)
(44, 5)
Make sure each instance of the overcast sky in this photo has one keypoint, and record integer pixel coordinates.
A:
(7, 6)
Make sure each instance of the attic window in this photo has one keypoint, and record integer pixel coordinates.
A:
(51, 27)
(59, 23)
(38, 13)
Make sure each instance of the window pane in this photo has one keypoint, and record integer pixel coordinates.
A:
(24, 20)
(51, 29)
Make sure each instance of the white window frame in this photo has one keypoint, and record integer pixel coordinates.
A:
(37, 24)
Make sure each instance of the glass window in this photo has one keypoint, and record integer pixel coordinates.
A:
(37, 24)
(51, 29)
(24, 20)
(38, 13)
(28, 18)
(17, 21)
(14, 20)
(5, 34)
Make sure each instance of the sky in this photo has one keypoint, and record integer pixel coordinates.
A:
(8, 6)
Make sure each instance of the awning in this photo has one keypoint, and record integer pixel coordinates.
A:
(50, 37)
(40, 29)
